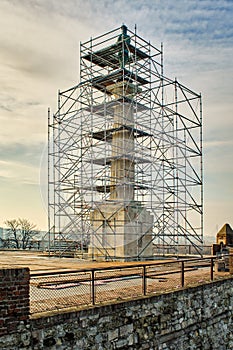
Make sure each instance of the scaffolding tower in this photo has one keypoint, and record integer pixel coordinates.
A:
(125, 155)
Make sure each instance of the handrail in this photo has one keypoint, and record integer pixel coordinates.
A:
(142, 274)
(128, 266)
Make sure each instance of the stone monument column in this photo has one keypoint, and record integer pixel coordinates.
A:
(122, 163)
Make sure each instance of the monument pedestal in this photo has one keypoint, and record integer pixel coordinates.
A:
(121, 233)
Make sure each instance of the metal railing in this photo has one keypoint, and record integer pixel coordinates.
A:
(81, 288)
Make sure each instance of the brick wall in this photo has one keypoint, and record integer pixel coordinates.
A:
(14, 299)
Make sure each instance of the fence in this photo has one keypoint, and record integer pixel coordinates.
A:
(81, 288)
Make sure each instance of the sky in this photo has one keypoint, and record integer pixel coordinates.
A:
(39, 41)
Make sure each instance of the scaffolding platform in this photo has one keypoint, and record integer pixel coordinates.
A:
(103, 82)
(108, 57)
(107, 108)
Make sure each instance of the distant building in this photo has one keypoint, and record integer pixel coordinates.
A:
(225, 236)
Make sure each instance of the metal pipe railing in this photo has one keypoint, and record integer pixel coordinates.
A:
(143, 278)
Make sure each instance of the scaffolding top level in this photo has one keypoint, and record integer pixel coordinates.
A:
(108, 57)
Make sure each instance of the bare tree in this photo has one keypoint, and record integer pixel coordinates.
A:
(20, 233)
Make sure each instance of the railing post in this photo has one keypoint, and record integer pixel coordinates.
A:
(211, 269)
(93, 287)
(144, 279)
(182, 273)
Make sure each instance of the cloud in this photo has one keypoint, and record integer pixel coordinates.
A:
(21, 200)
(19, 173)
(21, 153)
